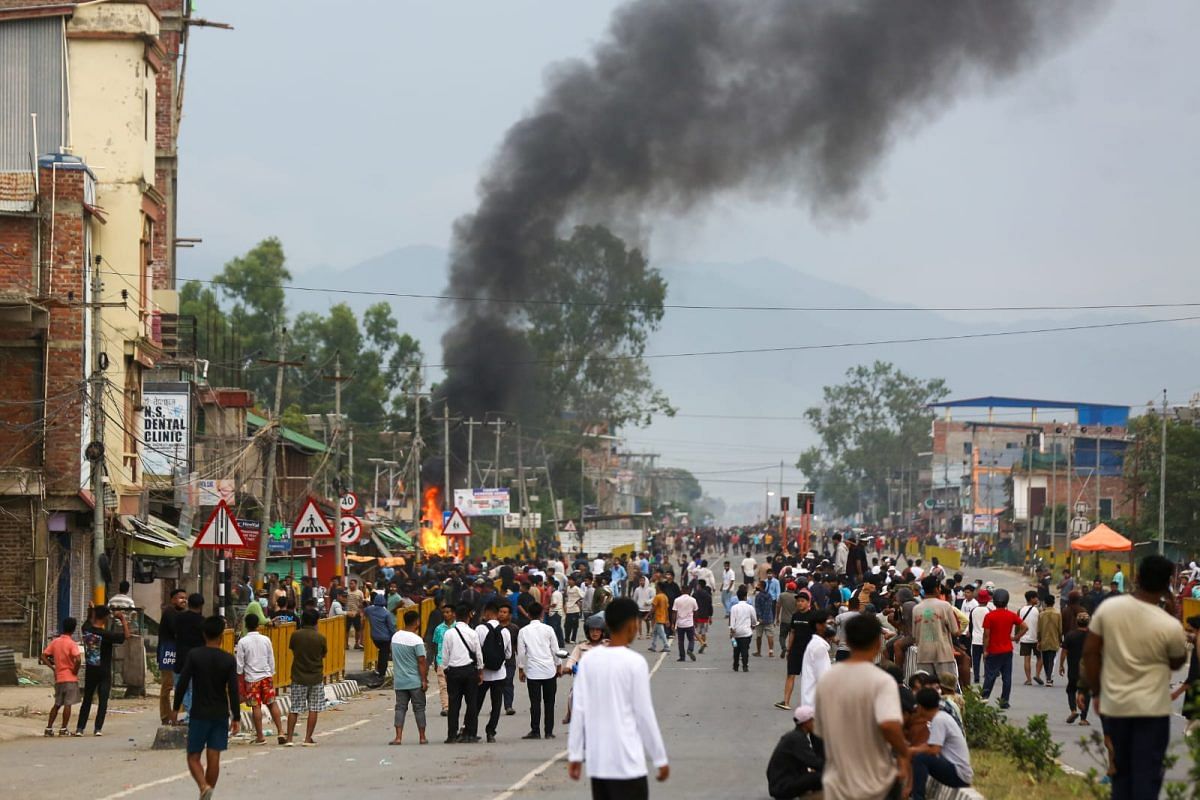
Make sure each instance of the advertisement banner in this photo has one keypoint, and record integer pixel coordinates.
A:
(481, 502)
(166, 428)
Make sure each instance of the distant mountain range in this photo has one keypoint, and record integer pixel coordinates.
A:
(1127, 365)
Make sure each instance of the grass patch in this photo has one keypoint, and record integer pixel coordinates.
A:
(997, 777)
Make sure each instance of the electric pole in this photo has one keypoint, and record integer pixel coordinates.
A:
(497, 424)
(338, 379)
(96, 449)
(471, 423)
(272, 449)
(1162, 481)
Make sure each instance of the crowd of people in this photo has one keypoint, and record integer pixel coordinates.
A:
(877, 649)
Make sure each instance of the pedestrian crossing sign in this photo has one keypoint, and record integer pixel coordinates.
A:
(221, 531)
(311, 524)
(456, 525)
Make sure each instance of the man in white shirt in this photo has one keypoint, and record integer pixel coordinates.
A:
(538, 666)
(683, 617)
(742, 621)
(1029, 642)
(728, 579)
(554, 617)
(256, 670)
(841, 555)
(749, 565)
(816, 661)
(705, 573)
(462, 663)
(613, 725)
(983, 607)
(494, 674)
(597, 565)
(572, 607)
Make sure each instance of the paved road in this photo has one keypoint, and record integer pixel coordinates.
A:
(719, 729)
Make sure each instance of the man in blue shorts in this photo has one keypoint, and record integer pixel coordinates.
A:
(212, 675)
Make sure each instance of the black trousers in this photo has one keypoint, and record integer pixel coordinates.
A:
(495, 689)
(385, 655)
(572, 627)
(509, 693)
(542, 692)
(462, 685)
(612, 789)
(741, 650)
(95, 679)
(690, 635)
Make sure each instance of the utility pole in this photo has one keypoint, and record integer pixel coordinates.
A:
(96, 449)
(521, 484)
(272, 449)
(497, 424)
(471, 423)
(338, 378)
(1162, 481)
(418, 443)
(1053, 497)
(448, 490)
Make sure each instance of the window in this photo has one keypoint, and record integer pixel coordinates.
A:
(1106, 508)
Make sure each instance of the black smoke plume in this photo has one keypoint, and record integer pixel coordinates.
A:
(686, 98)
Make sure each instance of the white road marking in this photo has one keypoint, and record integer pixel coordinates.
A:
(162, 781)
(545, 765)
(343, 728)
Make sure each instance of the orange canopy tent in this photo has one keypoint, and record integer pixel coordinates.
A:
(1102, 539)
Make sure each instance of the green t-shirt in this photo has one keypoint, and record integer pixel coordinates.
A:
(308, 657)
(407, 648)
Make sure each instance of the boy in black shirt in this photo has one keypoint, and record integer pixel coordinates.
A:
(211, 674)
(189, 635)
(98, 643)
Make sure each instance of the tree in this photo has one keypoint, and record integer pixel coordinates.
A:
(589, 350)
(1141, 469)
(871, 427)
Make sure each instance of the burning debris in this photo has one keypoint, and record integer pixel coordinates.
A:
(433, 542)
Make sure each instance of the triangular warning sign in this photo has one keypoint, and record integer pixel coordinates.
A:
(456, 525)
(221, 530)
(570, 526)
(311, 524)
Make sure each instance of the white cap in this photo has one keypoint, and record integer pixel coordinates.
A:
(803, 714)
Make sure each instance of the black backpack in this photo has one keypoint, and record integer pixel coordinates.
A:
(493, 648)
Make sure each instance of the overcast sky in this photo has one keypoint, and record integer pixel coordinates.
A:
(350, 129)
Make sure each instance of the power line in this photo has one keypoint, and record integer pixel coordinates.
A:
(709, 307)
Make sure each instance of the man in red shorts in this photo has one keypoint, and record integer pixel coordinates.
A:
(256, 671)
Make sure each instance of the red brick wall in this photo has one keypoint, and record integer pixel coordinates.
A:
(16, 574)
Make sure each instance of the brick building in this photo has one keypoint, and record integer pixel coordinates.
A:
(987, 476)
(88, 119)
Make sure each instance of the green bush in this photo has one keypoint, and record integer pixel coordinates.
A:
(1033, 747)
(986, 726)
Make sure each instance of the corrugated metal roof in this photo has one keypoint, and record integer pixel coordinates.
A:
(289, 435)
(32, 66)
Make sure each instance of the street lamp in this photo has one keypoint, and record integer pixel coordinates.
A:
(767, 506)
(383, 462)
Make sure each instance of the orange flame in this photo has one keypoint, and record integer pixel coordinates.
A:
(432, 540)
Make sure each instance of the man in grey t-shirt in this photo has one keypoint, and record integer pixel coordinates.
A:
(944, 757)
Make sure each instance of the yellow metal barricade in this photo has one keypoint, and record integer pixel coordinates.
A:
(427, 607)
(951, 560)
(370, 651)
(334, 631)
(281, 638)
(227, 641)
(1191, 607)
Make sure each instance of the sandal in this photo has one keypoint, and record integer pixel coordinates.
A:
(49, 731)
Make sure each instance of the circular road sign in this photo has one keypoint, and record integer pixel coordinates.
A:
(351, 530)
(348, 502)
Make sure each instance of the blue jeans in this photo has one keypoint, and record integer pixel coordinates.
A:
(1139, 745)
(660, 633)
(726, 600)
(997, 665)
(187, 696)
(926, 766)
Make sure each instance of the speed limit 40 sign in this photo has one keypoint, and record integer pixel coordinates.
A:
(348, 502)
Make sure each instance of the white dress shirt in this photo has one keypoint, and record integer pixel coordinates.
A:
(748, 566)
(727, 580)
(742, 619)
(556, 602)
(481, 633)
(255, 657)
(457, 654)
(597, 566)
(816, 664)
(537, 651)
(613, 725)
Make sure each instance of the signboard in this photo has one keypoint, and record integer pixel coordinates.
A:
(482, 502)
(348, 502)
(251, 531)
(980, 523)
(166, 428)
(279, 538)
(457, 526)
(212, 492)
(532, 520)
(1081, 508)
(1080, 526)
(569, 527)
(311, 524)
(351, 530)
(221, 530)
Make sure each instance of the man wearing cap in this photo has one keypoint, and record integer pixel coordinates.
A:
(1000, 629)
(799, 757)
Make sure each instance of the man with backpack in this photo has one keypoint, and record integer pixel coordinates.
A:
(496, 644)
